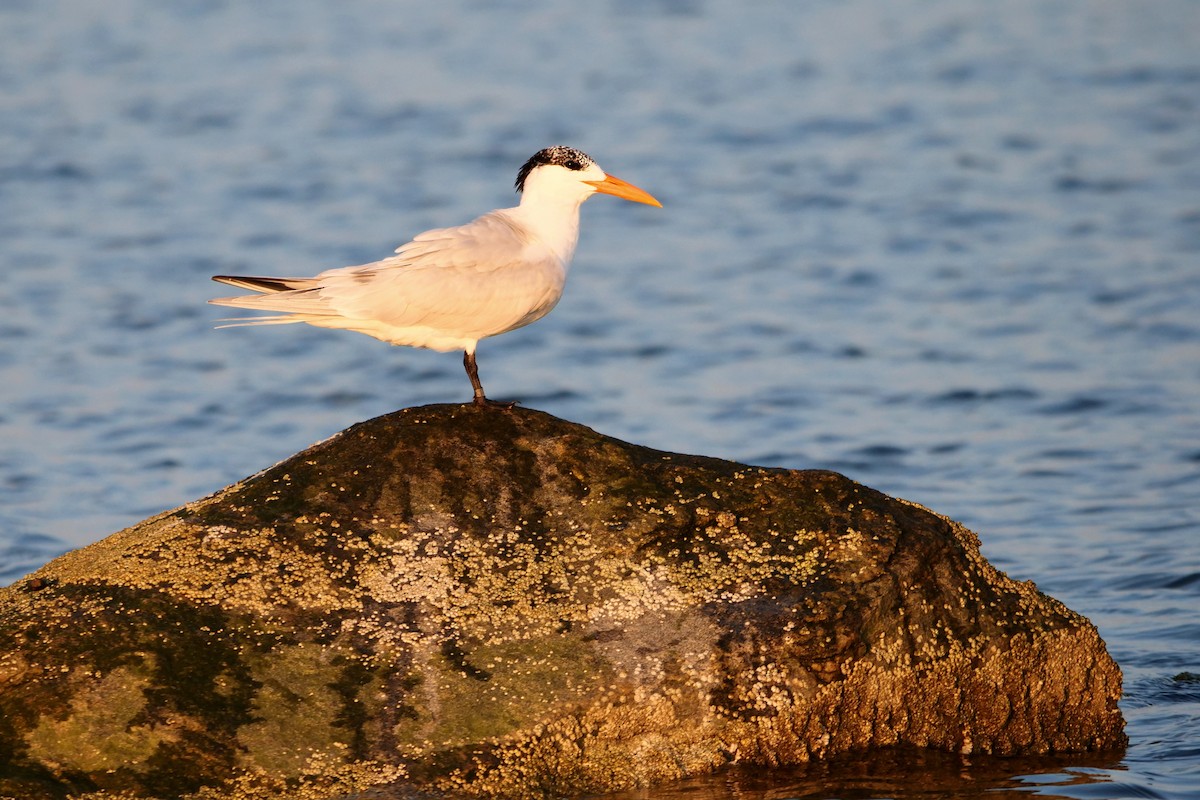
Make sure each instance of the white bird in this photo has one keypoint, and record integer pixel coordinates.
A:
(450, 287)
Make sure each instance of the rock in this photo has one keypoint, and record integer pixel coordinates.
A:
(502, 604)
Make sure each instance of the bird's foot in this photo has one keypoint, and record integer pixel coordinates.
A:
(482, 402)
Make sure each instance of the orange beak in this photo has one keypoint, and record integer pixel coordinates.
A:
(627, 191)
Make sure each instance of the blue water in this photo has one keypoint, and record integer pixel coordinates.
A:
(951, 249)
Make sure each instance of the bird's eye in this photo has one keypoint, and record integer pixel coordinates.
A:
(573, 164)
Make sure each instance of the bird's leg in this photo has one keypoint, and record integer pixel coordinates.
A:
(473, 374)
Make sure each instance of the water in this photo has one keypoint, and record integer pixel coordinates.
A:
(951, 249)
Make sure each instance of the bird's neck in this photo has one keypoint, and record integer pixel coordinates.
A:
(554, 221)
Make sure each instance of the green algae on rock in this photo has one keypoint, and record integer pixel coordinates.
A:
(456, 601)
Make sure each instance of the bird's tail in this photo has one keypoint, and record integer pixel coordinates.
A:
(297, 297)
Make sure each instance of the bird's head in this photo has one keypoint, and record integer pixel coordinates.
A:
(567, 173)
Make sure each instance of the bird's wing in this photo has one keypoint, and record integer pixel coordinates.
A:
(486, 243)
(476, 280)
(447, 277)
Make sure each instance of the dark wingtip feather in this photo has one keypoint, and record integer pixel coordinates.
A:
(256, 284)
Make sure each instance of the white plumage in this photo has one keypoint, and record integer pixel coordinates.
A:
(450, 287)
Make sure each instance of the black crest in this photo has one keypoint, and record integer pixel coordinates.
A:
(567, 157)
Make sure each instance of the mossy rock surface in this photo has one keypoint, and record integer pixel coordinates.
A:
(497, 603)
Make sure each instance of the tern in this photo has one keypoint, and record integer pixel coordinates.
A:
(450, 287)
